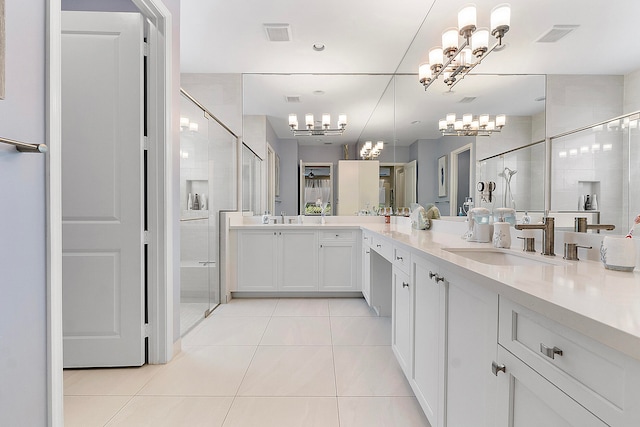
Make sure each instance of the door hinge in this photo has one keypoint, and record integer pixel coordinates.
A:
(146, 237)
(146, 48)
(146, 329)
(145, 143)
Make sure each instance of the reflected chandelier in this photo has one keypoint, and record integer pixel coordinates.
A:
(370, 151)
(471, 126)
(311, 130)
(455, 61)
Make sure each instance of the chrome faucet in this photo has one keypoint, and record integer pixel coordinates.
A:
(548, 228)
(580, 226)
(282, 214)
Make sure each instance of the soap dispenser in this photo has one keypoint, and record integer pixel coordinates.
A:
(502, 234)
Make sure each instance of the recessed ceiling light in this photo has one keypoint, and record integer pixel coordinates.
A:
(318, 92)
(318, 47)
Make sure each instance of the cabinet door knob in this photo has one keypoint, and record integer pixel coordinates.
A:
(439, 279)
(495, 368)
(399, 258)
(432, 275)
(379, 246)
(405, 285)
(550, 352)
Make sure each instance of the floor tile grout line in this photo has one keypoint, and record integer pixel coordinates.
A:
(335, 374)
(119, 410)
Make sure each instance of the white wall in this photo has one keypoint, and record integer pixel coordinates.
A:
(23, 374)
(631, 101)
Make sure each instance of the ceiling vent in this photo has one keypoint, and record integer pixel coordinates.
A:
(556, 33)
(467, 100)
(278, 32)
(292, 98)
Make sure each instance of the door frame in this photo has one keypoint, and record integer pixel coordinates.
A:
(453, 175)
(160, 193)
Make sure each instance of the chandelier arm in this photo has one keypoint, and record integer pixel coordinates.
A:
(446, 64)
(472, 66)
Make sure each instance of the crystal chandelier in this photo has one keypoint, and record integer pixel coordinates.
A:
(311, 130)
(454, 61)
(370, 151)
(469, 125)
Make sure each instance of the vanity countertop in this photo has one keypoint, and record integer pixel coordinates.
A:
(599, 303)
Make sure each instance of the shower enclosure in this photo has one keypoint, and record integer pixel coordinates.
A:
(208, 185)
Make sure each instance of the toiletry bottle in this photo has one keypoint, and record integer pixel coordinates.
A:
(587, 203)
(189, 202)
(196, 203)
(265, 218)
(581, 203)
(460, 212)
(594, 202)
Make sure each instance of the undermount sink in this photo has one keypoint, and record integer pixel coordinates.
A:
(500, 257)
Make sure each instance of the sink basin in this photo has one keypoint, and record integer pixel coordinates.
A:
(499, 257)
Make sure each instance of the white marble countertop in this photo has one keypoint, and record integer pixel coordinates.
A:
(599, 303)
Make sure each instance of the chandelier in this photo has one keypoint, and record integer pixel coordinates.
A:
(454, 61)
(370, 151)
(311, 130)
(481, 125)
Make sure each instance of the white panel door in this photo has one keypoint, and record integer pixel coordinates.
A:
(410, 183)
(102, 189)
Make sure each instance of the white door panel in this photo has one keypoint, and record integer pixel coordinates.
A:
(102, 189)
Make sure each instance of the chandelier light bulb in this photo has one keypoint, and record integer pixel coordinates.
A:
(342, 120)
(451, 118)
(467, 20)
(467, 119)
(491, 126)
(466, 57)
(480, 42)
(458, 125)
(379, 145)
(450, 42)
(500, 20)
(326, 120)
(368, 145)
(293, 120)
(475, 125)
(308, 120)
(184, 122)
(435, 59)
(442, 124)
(483, 120)
(501, 120)
(424, 72)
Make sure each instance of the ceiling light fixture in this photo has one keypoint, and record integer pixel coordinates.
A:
(370, 151)
(311, 130)
(469, 125)
(453, 60)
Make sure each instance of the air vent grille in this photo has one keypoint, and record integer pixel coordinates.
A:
(556, 33)
(278, 32)
(292, 98)
(467, 100)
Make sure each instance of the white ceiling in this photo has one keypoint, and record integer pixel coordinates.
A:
(369, 40)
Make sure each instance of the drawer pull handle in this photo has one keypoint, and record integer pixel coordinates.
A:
(378, 246)
(368, 252)
(432, 275)
(439, 279)
(405, 285)
(495, 368)
(337, 235)
(399, 258)
(550, 351)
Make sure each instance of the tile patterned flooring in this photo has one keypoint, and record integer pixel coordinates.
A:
(259, 363)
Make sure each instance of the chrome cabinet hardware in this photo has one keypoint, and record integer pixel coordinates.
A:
(432, 275)
(405, 285)
(495, 368)
(399, 258)
(550, 352)
(436, 276)
(379, 246)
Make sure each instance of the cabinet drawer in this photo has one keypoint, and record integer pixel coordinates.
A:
(402, 259)
(383, 246)
(338, 235)
(593, 374)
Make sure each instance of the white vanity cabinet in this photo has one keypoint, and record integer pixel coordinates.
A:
(472, 328)
(402, 318)
(277, 260)
(366, 266)
(429, 334)
(560, 376)
(339, 261)
(257, 260)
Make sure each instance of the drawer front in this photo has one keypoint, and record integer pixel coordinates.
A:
(583, 368)
(338, 235)
(383, 246)
(402, 259)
